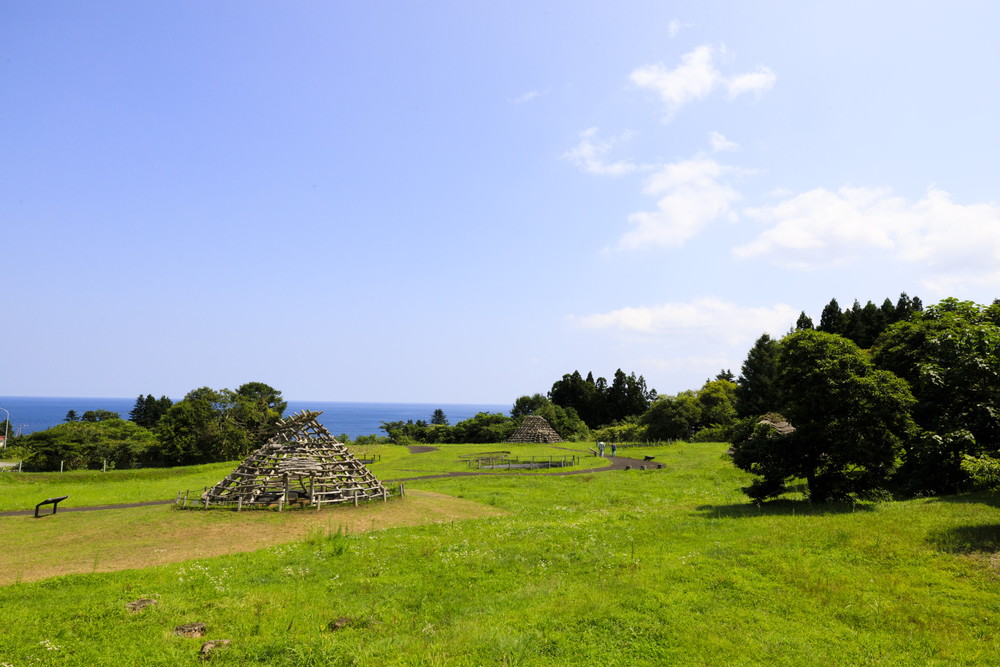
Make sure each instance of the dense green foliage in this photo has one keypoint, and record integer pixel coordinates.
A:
(863, 324)
(148, 410)
(851, 421)
(950, 356)
(482, 427)
(209, 425)
(83, 444)
(600, 404)
(918, 413)
(682, 417)
(206, 426)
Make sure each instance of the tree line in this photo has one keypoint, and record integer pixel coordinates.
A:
(207, 425)
(915, 411)
(582, 408)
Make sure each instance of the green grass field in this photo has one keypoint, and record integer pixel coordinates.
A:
(653, 567)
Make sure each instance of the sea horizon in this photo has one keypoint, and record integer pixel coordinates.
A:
(29, 414)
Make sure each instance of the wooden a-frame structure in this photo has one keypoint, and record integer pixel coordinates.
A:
(301, 461)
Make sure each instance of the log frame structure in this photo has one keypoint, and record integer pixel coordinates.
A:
(301, 461)
(534, 429)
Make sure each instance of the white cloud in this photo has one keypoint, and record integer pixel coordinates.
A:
(675, 26)
(719, 143)
(696, 77)
(707, 319)
(527, 97)
(694, 197)
(758, 82)
(588, 155)
(953, 244)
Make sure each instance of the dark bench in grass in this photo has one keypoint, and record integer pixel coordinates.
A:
(50, 501)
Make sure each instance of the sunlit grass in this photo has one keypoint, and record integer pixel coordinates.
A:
(21, 491)
(653, 567)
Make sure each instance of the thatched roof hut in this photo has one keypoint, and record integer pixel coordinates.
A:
(534, 429)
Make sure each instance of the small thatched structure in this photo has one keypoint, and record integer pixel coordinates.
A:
(780, 427)
(302, 461)
(534, 429)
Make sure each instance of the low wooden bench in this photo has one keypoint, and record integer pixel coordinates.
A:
(50, 501)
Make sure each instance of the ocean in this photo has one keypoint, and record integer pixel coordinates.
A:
(37, 413)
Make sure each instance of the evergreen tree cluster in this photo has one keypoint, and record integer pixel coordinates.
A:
(148, 410)
(598, 403)
(862, 324)
(894, 399)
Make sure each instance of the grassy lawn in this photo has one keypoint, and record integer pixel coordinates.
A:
(631, 567)
(87, 487)
(397, 463)
(22, 491)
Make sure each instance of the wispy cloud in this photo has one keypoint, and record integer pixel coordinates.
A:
(708, 319)
(675, 26)
(588, 155)
(526, 97)
(719, 143)
(953, 244)
(696, 77)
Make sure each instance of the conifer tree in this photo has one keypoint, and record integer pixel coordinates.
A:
(757, 388)
(831, 320)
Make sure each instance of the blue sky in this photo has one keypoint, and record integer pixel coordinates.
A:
(461, 201)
